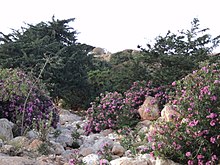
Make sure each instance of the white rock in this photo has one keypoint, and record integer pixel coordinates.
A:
(91, 159)
(119, 161)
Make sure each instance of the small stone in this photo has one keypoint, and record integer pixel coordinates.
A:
(118, 150)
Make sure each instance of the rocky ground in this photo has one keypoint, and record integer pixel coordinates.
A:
(67, 144)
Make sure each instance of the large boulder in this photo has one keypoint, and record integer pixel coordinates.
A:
(149, 110)
(6, 129)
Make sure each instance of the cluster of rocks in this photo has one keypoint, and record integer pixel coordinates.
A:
(68, 142)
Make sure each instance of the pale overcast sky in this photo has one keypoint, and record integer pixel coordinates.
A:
(114, 24)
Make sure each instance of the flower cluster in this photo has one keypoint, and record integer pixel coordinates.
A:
(14, 90)
(196, 140)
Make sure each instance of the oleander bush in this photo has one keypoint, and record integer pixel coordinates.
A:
(116, 111)
(15, 87)
(196, 139)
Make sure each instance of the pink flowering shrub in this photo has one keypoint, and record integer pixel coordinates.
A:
(104, 112)
(14, 89)
(196, 138)
(115, 111)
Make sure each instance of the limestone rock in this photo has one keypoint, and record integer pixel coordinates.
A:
(6, 129)
(118, 150)
(149, 110)
(91, 159)
(169, 113)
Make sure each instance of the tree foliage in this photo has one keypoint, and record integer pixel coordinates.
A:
(66, 74)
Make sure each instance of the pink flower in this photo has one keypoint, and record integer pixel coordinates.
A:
(174, 83)
(212, 123)
(190, 162)
(214, 158)
(189, 109)
(159, 145)
(193, 123)
(211, 116)
(147, 110)
(200, 156)
(212, 140)
(102, 162)
(205, 90)
(178, 147)
(188, 154)
(174, 102)
(213, 98)
(208, 163)
(217, 82)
